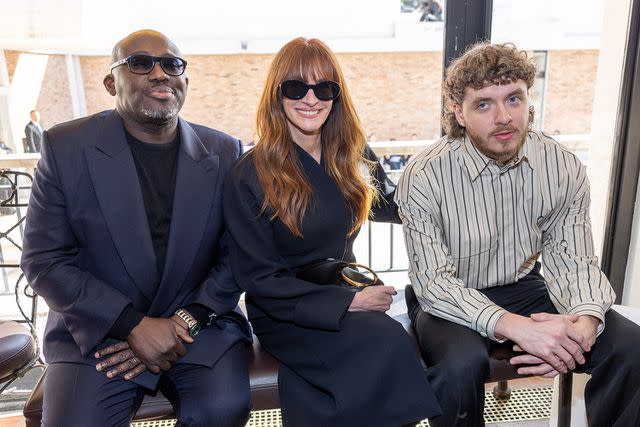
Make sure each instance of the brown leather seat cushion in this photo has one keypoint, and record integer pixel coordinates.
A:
(17, 348)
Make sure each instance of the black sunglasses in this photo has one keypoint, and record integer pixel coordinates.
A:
(140, 63)
(297, 89)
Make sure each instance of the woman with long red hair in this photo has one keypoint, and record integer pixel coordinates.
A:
(300, 197)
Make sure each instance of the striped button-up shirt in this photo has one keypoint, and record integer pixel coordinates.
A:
(471, 224)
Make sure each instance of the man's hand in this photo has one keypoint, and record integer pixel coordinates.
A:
(373, 298)
(123, 358)
(587, 327)
(158, 342)
(552, 339)
(533, 365)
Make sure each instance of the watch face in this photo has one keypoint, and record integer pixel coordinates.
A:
(193, 331)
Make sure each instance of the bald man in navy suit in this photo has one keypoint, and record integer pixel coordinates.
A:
(125, 242)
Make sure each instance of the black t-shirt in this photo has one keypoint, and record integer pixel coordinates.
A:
(156, 165)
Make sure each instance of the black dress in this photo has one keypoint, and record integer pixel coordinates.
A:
(337, 368)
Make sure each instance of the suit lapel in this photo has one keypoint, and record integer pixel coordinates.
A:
(117, 187)
(196, 177)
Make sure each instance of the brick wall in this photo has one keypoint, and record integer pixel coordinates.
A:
(224, 91)
(54, 101)
(93, 69)
(570, 91)
(396, 94)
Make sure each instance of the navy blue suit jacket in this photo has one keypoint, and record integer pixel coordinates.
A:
(88, 249)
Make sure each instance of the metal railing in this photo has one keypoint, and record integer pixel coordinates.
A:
(15, 189)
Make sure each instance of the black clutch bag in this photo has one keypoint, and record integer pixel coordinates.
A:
(332, 271)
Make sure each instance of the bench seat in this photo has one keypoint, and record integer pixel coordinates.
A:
(263, 376)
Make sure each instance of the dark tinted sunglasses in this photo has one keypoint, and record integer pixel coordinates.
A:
(297, 89)
(139, 63)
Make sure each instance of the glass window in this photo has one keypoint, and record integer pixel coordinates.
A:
(578, 47)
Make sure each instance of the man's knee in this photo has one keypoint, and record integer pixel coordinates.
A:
(621, 339)
(459, 384)
(462, 356)
(222, 410)
(465, 366)
(78, 395)
(623, 347)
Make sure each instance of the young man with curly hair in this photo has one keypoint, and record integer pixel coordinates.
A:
(497, 228)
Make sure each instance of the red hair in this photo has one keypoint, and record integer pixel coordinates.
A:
(287, 191)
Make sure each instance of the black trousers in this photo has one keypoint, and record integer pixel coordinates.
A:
(458, 360)
(77, 395)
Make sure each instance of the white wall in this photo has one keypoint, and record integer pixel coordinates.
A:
(24, 92)
(631, 294)
(548, 24)
(224, 26)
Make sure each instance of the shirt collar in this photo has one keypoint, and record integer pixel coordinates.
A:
(526, 153)
(476, 162)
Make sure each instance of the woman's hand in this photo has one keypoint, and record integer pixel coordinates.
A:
(373, 298)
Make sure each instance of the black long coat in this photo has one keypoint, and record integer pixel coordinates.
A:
(338, 368)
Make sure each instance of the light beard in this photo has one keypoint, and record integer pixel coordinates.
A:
(160, 115)
(481, 144)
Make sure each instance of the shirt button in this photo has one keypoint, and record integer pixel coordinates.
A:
(416, 258)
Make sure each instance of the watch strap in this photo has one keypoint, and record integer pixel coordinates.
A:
(191, 322)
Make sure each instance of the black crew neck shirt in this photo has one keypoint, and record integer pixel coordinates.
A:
(156, 166)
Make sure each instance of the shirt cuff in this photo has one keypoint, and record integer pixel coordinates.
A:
(200, 313)
(485, 319)
(590, 309)
(324, 310)
(125, 323)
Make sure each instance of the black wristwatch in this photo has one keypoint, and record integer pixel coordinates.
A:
(192, 324)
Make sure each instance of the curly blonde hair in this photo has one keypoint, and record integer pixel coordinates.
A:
(481, 65)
